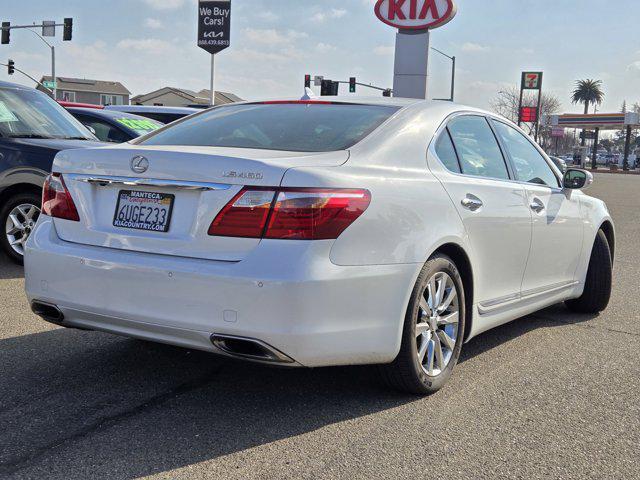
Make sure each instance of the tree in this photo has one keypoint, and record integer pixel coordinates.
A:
(588, 92)
(507, 101)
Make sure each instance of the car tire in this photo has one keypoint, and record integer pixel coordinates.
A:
(10, 206)
(408, 372)
(597, 288)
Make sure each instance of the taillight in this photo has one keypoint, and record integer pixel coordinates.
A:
(290, 213)
(245, 215)
(56, 199)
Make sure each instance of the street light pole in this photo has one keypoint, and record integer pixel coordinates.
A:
(53, 62)
(453, 71)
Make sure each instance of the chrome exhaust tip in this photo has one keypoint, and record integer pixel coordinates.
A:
(248, 349)
(50, 313)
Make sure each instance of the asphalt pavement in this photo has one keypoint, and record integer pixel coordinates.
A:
(552, 395)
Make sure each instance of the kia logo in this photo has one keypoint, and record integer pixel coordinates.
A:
(139, 164)
(415, 14)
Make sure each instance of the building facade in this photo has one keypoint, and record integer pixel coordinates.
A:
(180, 97)
(96, 92)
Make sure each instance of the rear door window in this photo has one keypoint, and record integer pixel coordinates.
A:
(298, 127)
(447, 153)
(477, 147)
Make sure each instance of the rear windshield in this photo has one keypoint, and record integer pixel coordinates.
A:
(292, 127)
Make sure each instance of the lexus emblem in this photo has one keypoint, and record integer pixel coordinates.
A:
(139, 164)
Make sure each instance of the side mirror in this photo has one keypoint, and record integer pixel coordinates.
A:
(577, 179)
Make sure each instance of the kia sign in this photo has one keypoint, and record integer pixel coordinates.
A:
(214, 25)
(415, 14)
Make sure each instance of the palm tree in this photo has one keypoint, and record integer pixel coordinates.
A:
(588, 91)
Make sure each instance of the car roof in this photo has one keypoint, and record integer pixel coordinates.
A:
(441, 106)
(110, 114)
(14, 85)
(152, 109)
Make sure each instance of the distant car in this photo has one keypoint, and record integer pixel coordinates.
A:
(113, 126)
(560, 163)
(159, 113)
(33, 128)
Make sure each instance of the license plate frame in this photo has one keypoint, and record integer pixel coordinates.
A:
(147, 200)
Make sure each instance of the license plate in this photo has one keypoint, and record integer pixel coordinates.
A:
(150, 211)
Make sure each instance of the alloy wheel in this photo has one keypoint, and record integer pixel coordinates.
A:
(437, 324)
(20, 223)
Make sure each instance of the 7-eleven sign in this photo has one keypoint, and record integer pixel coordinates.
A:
(531, 80)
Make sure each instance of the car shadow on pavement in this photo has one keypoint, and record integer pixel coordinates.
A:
(9, 270)
(83, 404)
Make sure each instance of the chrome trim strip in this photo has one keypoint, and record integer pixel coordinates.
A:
(499, 301)
(550, 289)
(495, 304)
(105, 180)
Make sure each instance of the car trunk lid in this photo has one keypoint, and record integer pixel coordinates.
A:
(196, 182)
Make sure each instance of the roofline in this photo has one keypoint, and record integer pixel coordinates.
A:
(58, 87)
(175, 90)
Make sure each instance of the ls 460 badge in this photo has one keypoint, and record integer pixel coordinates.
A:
(243, 175)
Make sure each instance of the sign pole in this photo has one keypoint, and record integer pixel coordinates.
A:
(214, 33)
(53, 73)
(212, 97)
(520, 106)
(538, 110)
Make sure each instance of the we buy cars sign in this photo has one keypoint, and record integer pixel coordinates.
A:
(415, 14)
(214, 25)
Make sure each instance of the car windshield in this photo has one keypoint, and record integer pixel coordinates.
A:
(297, 127)
(32, 114)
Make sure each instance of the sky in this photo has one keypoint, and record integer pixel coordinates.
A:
(149, 44)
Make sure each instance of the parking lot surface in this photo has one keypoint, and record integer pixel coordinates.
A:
(552, 395)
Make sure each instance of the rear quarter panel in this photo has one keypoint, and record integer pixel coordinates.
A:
(410, 214)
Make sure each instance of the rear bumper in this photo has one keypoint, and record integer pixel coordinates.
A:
(285, 294)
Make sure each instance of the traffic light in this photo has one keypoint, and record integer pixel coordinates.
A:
(386, 93)
(11, 67)
(352, 85)
(67, 31)
(5, 32)
(307, 81)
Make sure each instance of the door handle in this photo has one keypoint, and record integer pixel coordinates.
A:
(536, 205)
(471, 202)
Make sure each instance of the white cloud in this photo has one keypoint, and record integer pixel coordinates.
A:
(165, 4)
(268, 15)
(272, 36)
(634, 67)
(153, 23)
(474, 47)
(332, 13)
(325, 48)
(384, 50)
(153, 46)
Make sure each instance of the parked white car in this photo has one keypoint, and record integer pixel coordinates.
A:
(315, 233)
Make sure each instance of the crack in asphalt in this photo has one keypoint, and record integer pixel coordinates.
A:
(584, 325)
(19, 463)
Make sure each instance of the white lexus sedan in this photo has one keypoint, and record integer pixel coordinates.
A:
(314, 233)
